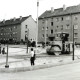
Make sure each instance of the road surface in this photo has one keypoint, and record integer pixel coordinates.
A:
(63, 72)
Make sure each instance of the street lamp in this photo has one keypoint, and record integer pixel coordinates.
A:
(45, 30)
(73, 38)
(37, 23)
(73, 43)
(7, 66)
(27, 35)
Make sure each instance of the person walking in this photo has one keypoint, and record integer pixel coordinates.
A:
(32, 58)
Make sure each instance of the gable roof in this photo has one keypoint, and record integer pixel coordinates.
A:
(61, 12)
(12, 21)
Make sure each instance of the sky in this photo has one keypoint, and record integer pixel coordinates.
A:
(15, 8)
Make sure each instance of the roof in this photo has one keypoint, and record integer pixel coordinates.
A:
(61, 11)
(12, 21)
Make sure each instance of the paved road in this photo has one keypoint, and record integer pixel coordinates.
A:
(63, 72)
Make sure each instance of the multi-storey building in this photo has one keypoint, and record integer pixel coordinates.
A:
(55, 21)
(18, 29)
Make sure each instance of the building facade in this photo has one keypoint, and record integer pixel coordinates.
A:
(57, 21)
(18, 29)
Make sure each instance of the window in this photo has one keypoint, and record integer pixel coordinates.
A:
(67, 26)
(4, 33)
(75, 17)
(57, 19)
(43, 21)
(10, 35)
(75, 34)
(10, 29)
(57, 26)
(55, 30)
(56, 35)
(42, 28)
(75, 39)
(61, 18)
(42, 35)
(15, 27)
(76, 26)
(47, 28)
(1, 33)
(68, 18)
(2, 29)
(46, 35)
(26, 26)
(25, 31)
(51, 31)
(61, 27)
(14, 32)
(51, 23)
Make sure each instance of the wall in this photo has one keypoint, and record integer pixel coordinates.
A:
(67, 20)
(10, 32)
(31, 25)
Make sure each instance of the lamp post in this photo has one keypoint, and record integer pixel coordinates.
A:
(45, 30)
(37, 25)
(27, 39)
(73, 38)
(73, 43)
(7, 66)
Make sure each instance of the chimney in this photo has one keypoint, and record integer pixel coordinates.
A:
(14, 18)
(20, 17)
(52, 9)
(4, 21)
(64, 7)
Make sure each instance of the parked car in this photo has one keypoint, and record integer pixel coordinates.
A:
(54, 50)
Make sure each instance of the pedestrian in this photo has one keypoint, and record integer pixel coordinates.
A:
(32, 58)
(3, 51)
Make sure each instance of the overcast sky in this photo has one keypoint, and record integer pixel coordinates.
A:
(16, 8)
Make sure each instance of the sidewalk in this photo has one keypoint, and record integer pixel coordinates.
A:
(23, 64)
(17, 65)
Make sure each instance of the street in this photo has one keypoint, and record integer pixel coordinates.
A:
(63, 72)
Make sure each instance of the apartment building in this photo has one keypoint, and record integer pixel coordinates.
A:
(18, 29)
(62, 20)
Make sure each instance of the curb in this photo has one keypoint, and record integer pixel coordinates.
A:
(22, 69)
